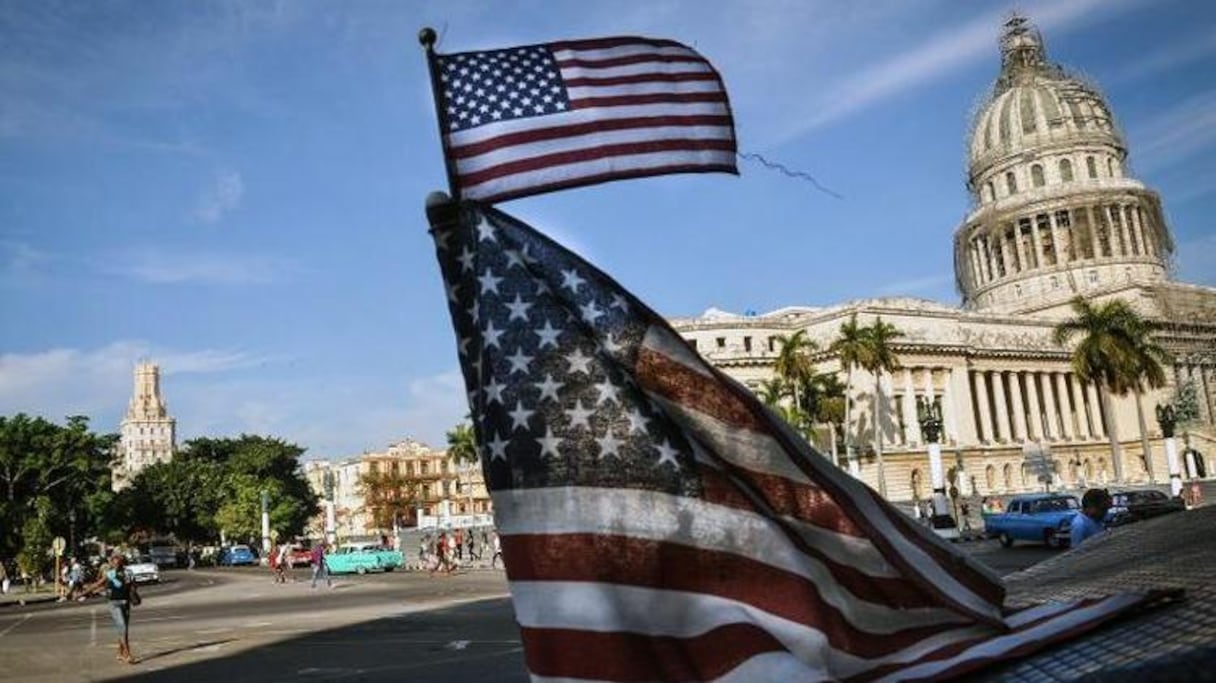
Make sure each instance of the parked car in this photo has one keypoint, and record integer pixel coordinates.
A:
(299, 556)
(166, 553)
(1042, 518)
(143, 569)
(1133, 506)
(351, 560)
(237, 555)
(389, 559)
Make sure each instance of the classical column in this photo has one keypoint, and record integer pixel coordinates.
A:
(1067, 426)
(1078, 405)
(1139, 218)
(1036, 430)
(1093, 233)
(977, 266)
(1037, 242)
(1133, 227)
(984, 405)
(1150, 234)
(955, 393)
(1002, 409)
(1019, 407)
(1051, 419)
(1095, 410)
(1116, 231)
(1199, 376)
(1057, 243)
(911, 425)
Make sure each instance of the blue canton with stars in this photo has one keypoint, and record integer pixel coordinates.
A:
(500, 85)
(546, 342)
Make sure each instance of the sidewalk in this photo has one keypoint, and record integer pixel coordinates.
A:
(16, 595)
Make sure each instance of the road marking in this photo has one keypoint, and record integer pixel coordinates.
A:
(259, 624)
(168, 618)
(210, 631)
(458, 644)
(15, 624)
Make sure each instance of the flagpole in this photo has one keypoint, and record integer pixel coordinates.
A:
(427, 37)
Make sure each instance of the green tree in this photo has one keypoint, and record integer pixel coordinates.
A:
(880, 358)
(853, 351)
(1116, 352)
(389, 496)
(794, 366)
(179, 497)
(462, 443)
(772, 392)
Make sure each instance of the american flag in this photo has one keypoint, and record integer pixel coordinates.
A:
(526, 120)
(659, 523)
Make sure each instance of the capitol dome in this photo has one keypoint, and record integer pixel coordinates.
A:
(1055, 211)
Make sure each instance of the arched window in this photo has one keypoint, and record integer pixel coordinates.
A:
(991, 192)
(1065, 170)
(1025, 473)
(916, 485)
(990, 478)
(1007, 475)
(1011, 183)
(1091, 166)
(1036, 175)
(1110, 167)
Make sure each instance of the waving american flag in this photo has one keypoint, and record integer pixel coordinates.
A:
(659, 523)
(526, 120)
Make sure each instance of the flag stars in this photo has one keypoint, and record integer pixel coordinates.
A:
(548, 388)
(547, 335)
(489, 282)
(489, 337)
(637, 422)
(667, 454)
(618, 302)
(591, 312)
(571, 280)
(549, 444)
(498, 448)
(466, 260)
(579, 362)
(520, 417)
(608, 392)
(579, 416)
(519, 309)
(494, 393)
(485, 231)
(609, 445)
(520, 361)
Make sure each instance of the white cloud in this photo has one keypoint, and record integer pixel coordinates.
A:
(157, 266)
(222, 197)
(937, 56)
(97, 382)
(1176, 133)
(1171, 55)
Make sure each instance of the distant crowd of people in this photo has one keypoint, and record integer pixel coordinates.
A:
(446, 550)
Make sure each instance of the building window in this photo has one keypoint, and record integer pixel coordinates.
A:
(1055, 282)
(772, 345)
(991, 191)
(1017, 291)
(720, 342)
(1011, 183)
(1092, 276)
(747, 344)
(1091, 166)
(1036, 175)
(1110, 167)
(1065, 170)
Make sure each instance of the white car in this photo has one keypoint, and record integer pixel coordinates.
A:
(143, 569)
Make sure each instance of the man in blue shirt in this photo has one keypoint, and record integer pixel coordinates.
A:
(1088, 522)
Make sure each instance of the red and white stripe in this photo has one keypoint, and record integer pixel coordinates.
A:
(783, 569)
(639, 107)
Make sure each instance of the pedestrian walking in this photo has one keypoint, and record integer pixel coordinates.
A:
(120, 589)
(472, 543)
(4, 580)
(497, 551)
(319, 569)
(460, 544)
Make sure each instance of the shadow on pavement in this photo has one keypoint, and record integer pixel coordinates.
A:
(477, 641)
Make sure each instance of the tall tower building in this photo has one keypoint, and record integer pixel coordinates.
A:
(148, 434)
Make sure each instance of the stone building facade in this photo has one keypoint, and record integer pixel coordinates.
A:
(443, 486)
(1056, 215)
(148, 434)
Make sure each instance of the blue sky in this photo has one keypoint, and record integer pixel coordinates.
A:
(235, 189)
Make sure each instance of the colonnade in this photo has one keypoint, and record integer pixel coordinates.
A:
(1014, 406)
(1032, 242)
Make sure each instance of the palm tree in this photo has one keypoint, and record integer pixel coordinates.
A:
(462, 443)
(851, 348)
(794, 364)
(772, 392)
(1117, 353)
(880, 358)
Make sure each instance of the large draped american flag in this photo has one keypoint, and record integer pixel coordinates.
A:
(525, 120)
(659, 523)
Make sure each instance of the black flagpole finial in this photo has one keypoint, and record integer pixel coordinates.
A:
(427, 37)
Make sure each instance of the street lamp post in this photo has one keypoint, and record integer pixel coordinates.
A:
(929, 416)
(1167, 419)
(265, 523)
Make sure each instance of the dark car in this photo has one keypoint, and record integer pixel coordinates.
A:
(1133, 506)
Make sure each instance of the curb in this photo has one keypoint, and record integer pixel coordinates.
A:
(28, 601)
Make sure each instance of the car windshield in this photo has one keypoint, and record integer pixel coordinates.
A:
(1140, 497)
(240, 549)
(1054, 505)
(143, 559)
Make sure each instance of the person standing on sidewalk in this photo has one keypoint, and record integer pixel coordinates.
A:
(319, 568)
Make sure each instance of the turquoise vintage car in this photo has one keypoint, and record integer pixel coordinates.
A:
(389, 559)
(351, 560)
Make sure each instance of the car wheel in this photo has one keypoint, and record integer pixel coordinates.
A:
(360, 570)
(389, 569)
(1006, 540)
(1049, 539)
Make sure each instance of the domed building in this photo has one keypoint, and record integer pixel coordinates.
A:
(1055, 215)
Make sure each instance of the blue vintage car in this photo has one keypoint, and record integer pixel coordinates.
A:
(1040, 518)
(237, 555)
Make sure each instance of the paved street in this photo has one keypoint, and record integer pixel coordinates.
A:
(235, 625)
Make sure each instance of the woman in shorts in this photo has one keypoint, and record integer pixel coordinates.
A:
(120, 589)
